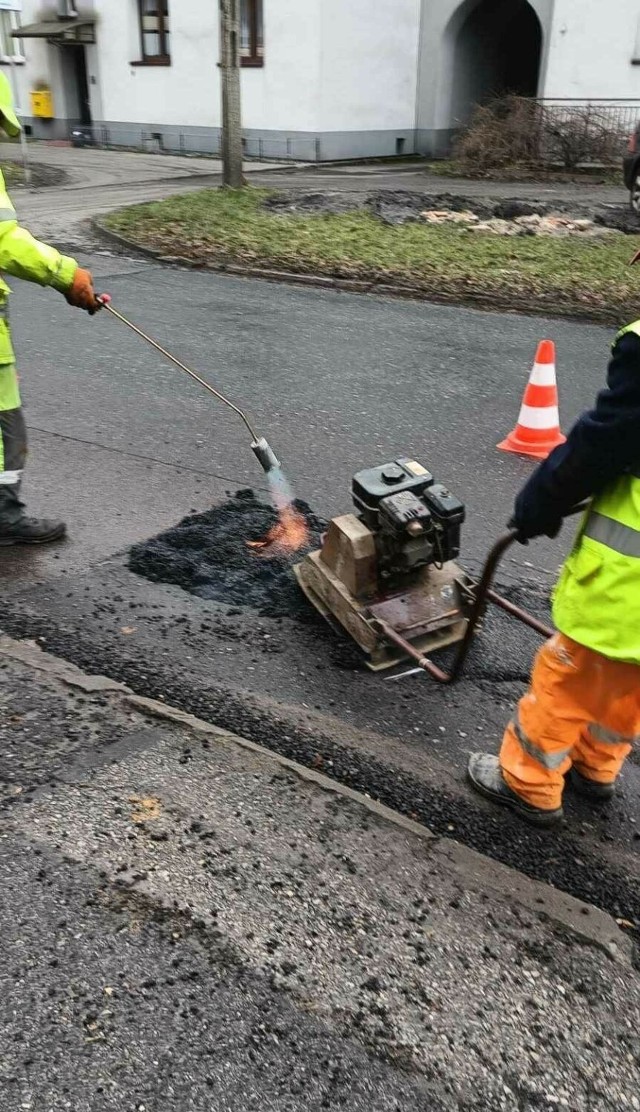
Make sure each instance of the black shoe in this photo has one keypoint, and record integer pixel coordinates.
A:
(590, 789)
(31, 530)
(487, 779)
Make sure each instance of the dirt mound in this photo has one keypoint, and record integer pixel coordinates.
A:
(208, 556)
(619, 219)
(312, 204)
(402, 206)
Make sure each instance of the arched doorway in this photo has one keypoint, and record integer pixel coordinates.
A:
(497, 49)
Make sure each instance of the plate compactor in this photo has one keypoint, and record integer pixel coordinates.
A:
(387, 573)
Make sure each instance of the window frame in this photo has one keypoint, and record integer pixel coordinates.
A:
(164, 57)
(255, 58)
(12, 18)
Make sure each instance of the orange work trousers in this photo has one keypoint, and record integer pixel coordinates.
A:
(581, 709)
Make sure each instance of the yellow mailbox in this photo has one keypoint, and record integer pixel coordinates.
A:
(42, 103)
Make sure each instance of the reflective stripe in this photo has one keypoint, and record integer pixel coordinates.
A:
(610, 737)
(539, 417)
(543, 374)
(551, 761)
(10, 478)
(7, 214)
(635, 327)
(621, 538)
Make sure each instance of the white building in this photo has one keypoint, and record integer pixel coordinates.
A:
(323, 79)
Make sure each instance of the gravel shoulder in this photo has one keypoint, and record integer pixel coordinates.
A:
(195, 923)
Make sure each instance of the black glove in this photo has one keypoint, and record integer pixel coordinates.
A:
(527, 529)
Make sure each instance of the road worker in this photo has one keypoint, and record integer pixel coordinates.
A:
(25, 257)
(579, 719)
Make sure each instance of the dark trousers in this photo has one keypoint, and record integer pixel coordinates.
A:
(13, 446)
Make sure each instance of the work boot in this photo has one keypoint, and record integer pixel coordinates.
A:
(590, 789)
(31, 530)
(486, 777)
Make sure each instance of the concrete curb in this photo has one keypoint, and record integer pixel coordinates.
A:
(587, 924)
(494, 304)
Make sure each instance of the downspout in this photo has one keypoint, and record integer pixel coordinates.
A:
(421, 32)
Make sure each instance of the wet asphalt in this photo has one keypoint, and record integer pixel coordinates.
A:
(126, 448)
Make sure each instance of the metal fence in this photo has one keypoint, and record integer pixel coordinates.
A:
(600, 128)
(604, 124)
(190, 141)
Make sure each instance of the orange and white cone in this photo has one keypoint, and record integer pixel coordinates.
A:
(538, 430)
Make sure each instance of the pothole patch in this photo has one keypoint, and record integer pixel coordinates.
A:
(210, 555)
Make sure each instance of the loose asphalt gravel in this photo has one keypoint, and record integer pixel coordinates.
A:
(189, 925)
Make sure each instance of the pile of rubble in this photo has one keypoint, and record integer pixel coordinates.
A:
(533, 224)
(511, 216)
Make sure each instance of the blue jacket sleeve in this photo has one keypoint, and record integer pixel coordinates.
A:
(602, 445)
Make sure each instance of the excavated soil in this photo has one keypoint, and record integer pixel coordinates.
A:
(399, 206)
(209, 555)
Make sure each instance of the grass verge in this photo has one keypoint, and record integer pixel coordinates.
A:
(586, 278)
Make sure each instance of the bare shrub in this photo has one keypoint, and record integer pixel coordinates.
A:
(504, 132)
(579, 134)
(513, 131)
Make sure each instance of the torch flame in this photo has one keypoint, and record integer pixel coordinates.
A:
(291, 531)
(288, 534)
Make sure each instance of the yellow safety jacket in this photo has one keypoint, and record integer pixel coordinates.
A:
(597, 599)
(22, 256)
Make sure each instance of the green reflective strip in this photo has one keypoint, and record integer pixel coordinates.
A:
(551, 761)
(610, 737)
(621, 538)
(7, 214)
(9, 388)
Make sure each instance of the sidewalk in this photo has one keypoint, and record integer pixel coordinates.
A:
(194, 923)
(93, 168)
(100, 180)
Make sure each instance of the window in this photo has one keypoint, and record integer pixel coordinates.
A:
(154, 32)
(10, 49)
(251, 33)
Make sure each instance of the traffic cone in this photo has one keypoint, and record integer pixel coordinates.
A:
(538, 430)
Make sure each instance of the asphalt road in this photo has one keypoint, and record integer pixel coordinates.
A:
(124, 446)
(192, 924)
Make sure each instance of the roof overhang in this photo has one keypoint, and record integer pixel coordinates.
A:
(61, 31)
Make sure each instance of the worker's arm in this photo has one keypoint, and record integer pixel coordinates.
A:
(22, 256)
(604, 444)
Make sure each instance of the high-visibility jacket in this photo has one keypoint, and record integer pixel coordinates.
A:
(22, 256)
(597, 599)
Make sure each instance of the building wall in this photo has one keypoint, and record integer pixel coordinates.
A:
(368, 76)
(135, 98)
(45, 66)
(342, 78)
(591, 48)
(438, 99)
(339, 78)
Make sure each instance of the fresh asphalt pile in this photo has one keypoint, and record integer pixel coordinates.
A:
(210, 555)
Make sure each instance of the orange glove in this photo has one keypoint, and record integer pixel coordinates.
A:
(81, 293)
